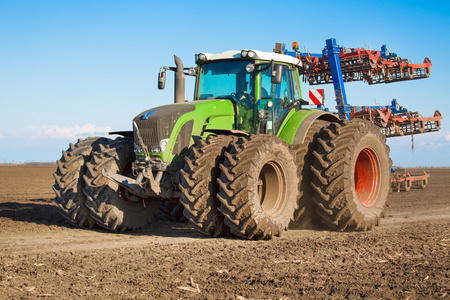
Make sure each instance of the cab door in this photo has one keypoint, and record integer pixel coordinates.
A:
(282, 96)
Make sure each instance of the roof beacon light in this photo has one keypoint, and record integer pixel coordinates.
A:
(295, 46)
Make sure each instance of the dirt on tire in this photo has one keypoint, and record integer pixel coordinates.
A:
(258, 187)
(351, 175)
(41, 256)
(199, 186)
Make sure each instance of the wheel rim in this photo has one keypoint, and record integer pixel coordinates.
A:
(272, 188)
(367, 176)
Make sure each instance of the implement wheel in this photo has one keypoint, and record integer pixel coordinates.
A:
(423, 183)
(406, 186)
(258, 187)
(351, 175)
(113, 207)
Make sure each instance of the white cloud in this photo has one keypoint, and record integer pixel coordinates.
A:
(55, 132)
(437, 139)
(76, 131)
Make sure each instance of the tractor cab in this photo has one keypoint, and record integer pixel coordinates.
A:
(262, 86)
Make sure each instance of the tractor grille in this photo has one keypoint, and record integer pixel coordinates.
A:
(157, 123)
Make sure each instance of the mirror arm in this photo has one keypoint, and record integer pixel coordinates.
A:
(268, 65)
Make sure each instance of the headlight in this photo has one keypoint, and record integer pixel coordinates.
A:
(192, 71)
(200, 57)
(251, 54)
(138, 149)
(250, 68)
(161, 146)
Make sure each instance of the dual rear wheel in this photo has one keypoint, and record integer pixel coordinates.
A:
(351, 175)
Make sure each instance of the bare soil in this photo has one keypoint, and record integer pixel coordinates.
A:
(406, 257)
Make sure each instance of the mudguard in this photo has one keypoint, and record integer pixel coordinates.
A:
(297, 123)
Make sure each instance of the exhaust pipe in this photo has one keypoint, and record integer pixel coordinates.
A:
(179, 81)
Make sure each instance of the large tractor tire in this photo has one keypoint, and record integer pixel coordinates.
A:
(258, 187)
(351, 175)
(199, 185)
(306, 216)
(112, 206)
(69, 183)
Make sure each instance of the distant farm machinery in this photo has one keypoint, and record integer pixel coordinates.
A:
(404, 181)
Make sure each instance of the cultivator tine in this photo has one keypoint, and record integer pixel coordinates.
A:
(359, 64)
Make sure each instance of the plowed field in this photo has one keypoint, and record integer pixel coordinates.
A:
(406, 257)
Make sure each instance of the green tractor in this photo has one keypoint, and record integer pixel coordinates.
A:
(246, 157)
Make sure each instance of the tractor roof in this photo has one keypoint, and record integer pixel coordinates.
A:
(236, 54)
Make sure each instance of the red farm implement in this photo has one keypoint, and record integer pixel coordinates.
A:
(337, 65)
(404, 181)
(397, 121)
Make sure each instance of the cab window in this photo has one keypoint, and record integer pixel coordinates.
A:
(282, 94)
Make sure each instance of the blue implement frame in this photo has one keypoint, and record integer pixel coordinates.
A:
(332, 51)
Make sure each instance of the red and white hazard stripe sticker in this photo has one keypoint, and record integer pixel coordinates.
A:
(316, 97)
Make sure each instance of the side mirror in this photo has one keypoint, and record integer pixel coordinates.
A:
(277, 73)
(161, 80)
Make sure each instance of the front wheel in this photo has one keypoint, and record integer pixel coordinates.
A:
(69, 182)
(199, 185)
(258, 187)
(112, 206)
(351, 179)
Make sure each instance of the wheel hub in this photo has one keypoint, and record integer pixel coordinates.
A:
(367, 176)
(271, 187)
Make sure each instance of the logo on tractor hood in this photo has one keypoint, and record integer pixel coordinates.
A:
(148, 114)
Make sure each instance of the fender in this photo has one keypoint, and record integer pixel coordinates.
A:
(227, 132)
(122, 133)
(297, 125)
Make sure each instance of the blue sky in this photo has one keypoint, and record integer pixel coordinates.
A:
(72, 69)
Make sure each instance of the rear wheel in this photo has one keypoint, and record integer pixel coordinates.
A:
(258, 187)
(306, 215)
(199, 185)
(69, 183)
(113, 207)
(351, 175)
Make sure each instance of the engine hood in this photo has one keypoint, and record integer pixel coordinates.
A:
(181, 125)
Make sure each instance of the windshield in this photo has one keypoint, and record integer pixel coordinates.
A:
(225, 79)
(230, 80)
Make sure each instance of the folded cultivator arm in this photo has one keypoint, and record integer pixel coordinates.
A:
(337, 65)
(359, 64)
(396, 120)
